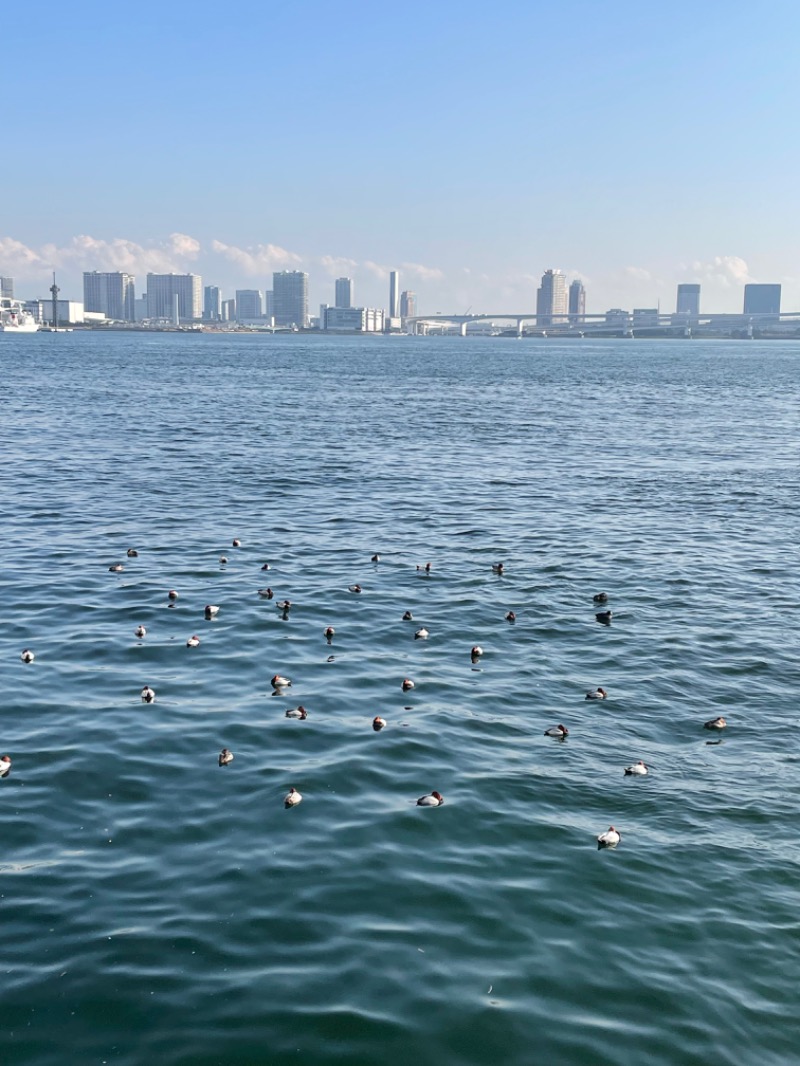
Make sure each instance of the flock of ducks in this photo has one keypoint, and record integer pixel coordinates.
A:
(609, 839)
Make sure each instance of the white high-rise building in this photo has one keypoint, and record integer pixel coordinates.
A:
(112, 293)
(551, 299)
(163, 288)
(394, 294)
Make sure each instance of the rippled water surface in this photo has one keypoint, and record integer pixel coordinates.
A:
(160, 909)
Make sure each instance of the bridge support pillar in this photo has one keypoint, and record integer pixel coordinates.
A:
(519, 327)
(463, 329)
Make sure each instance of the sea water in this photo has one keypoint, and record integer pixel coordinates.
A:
(158, 908)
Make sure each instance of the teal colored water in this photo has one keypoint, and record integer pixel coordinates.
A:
(160, 909)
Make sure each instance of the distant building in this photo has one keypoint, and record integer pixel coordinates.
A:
(352, 319)
(111, 293)
(551, 299)
(762, 300)
(269, 305)
(228, 310)
(394, 294)
(617, 317)
(688, 302)
(577, 302)
(162, 290)
(70, 312)
(408, 305)
(212, 304)
(646, 317)
(344, 292)
(290, 298)
(7, 288)
(249, 304)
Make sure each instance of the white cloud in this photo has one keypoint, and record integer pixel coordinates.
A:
(638, 273)
(726, 271)
(91, 253)
(337, 265)
(424, 273)
(258, 258)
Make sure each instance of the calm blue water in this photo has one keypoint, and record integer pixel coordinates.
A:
(157, 908)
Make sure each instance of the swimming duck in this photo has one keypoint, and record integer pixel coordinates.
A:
(292, 798)
(716, 723)
(378, 723)
(223, 559)
(140, 632)
(27, 656)
(476, 652)
(117, 568)
(639, 769)
(421, 634)
(375, 558)
(225, 757)
(425, 569)
(328, 633)
(172, 594)
(266, 593)
(560, 731)
(265, 566)
(280, 682)
(5, 764)
(211, 610)
(148, 694)
(600, 597)
(132, 553)
(236, 543)
(408, 616)
(598, 694)
(435, 799)
(407, 685)
(284, 605)
(354, 588)
(297, 712)
(498, 568)
(604, 617)
(609, 839)
(193, 641)
(511, 617)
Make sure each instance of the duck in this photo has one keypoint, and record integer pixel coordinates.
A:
(132, 553)
(236, 543)
(280, 682)
(559, 731)
(297, 712)
(378, 723)
(5, 764)
(421, 634)
(600, 597)
(639, 769)
(476, 652)
(27, 656)
(511, 617)
(407, 685)
(716, 723)
(498, 568)
(408, 616)
(329, 633)
(375, 558)
(434, 799)
(292, 798)
(223, 559)
(172, 594)
(604, 617)
(609, 839)
(354, 588)
(140, 632)
(266, 593)
(211, 610)
(225, 757)
(598, 694)
(426, 569)
(193, 641)
(266, 566)
(116, 568)
(284, 605)
(148, 694)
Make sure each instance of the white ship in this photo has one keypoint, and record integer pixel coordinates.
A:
(14, 318)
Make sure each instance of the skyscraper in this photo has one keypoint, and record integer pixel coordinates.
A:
(408, 304)
(7, 288)
(212, 303)
(344, 292)
(290, 298)
(762, 300)
(551, 299)
(394, 294)
(688, 300)
(577, 302)
(110, 293)
(249, 304)
(162, 290)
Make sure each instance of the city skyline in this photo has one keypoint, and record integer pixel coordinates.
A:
(632, 179)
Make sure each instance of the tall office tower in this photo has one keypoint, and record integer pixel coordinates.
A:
(551, 299)
(344, 292)
(228, 310)
(577, 302)
(688, 300)
(269, 304)
(111, 293)
(161, 290)
(290, 298)
(408, 304)
(394, 294)
(7, 288)
(212, 303)
(249, 304)
(762, 300)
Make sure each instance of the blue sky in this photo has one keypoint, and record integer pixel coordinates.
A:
(469, 145)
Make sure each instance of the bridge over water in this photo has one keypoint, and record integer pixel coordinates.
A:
(597, 324)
